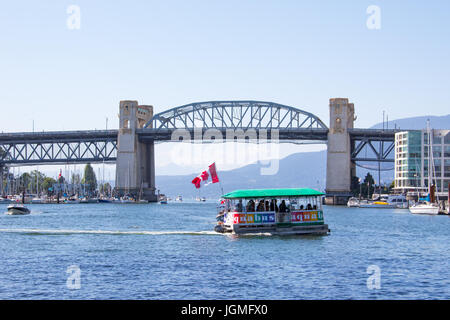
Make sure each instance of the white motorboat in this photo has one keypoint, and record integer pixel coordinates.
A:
(399, 201)
(127, 199)
(72, 201)
(376, 204)
(353, 202)
(179, 198)
(424, 208)
(5, 200)
(37, 200)
(17, 209)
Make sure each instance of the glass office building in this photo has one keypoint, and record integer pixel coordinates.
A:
(411, 160)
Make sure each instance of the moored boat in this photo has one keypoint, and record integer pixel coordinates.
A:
(353, 202)
(377, 204)
(424, 208)
(5, 200)
(17, 209)
(293, 211)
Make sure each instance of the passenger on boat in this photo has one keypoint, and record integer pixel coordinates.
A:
(309, 207)
(260, 206)
(251, 206)
(283, 207)
(273, 205)
(239, 206)
(267, 205)
(302, 207)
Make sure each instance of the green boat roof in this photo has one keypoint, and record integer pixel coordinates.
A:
(272, 193)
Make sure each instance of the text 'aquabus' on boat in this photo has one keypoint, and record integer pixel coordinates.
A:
(293, 211)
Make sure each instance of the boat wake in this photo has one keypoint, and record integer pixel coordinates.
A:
(105, 232)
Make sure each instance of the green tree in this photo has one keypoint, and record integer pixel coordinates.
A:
(37, 179)
(47, 184)
(355, 186)
(25, 182)
(76, 179)
(89, 178)
(368, 186)
(104, 188)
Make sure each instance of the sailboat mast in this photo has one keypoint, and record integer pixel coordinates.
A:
(429, 156)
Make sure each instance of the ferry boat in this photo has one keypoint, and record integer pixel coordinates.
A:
(293, 211)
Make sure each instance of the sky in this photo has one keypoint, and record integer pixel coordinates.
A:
(170, 53)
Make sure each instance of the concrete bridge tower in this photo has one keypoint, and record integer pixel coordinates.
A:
(135, 166)
(340, 168)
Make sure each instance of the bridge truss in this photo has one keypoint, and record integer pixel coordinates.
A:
(372, 145)
(58, 147)
(235, 115)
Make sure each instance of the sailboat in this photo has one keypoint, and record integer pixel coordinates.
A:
(430, 205)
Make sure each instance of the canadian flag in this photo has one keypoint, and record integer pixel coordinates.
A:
(206, 177)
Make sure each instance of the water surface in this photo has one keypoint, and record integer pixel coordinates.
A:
(153, 251)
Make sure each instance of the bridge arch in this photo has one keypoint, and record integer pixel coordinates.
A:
(235, 115)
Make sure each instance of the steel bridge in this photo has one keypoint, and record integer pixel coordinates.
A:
(131, 147)
(97, 146)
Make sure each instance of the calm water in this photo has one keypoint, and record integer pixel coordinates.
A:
(169, 252)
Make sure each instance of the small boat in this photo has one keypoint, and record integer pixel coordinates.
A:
(37, 200)
(376, 204)
(179, 198)
(429, 205)
(424, 208)
(292, 211)
(5, 200)
(72, 201)
(17, 209)
(162, 199)
(104, 200)
(353, 202)
(127, 199)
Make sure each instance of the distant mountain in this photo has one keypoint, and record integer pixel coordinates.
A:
(307, 169)
(417, 123)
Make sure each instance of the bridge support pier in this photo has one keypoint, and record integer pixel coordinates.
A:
(340, 168)
(135, 166)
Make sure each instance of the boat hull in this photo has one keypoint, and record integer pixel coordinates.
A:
(319, 229)
(430, 210)
(17, 211)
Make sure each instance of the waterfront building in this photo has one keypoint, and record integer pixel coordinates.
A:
(411, 160)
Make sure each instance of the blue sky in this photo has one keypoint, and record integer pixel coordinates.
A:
(169, 53)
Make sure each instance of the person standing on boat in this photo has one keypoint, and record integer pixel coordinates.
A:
(239, 206)
(251, 206)
(273, 205)
(283, 207)
(260, 206)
